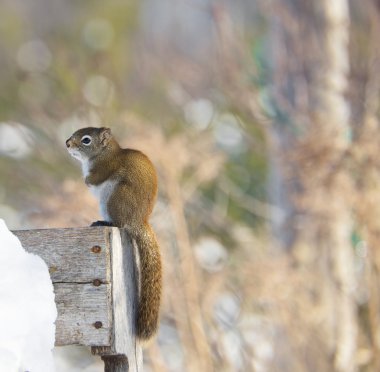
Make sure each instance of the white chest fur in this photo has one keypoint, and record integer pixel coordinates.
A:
(85, 167)
(103, 192)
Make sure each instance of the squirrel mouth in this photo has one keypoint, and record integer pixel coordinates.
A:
(75, 154)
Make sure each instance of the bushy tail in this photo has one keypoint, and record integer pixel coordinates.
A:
(150, 282)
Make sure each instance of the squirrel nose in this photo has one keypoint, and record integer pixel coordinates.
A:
(68, 143)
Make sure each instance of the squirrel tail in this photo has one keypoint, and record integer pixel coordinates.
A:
(150, 282)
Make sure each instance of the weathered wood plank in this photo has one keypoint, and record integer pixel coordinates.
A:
(124, 306)
(79, 265)
(70, 253)
(83, 314)
(95, 282)
(125, 286)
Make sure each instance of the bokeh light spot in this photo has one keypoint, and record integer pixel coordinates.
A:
(98, 34)
(99, 90)
(15, 140)
(210, 254)
(34, 56)
(199, 113)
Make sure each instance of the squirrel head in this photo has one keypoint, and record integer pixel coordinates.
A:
(89, 142)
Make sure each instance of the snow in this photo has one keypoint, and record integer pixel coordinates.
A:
(16, 140)
(75, 358)
(27, 308)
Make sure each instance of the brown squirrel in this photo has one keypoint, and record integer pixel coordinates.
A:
(125, 183)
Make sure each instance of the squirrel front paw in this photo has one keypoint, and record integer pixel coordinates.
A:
(101, 223)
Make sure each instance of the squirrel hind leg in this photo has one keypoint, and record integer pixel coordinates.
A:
(101, 223)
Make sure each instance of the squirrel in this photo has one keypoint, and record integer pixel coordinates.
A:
(125, 183)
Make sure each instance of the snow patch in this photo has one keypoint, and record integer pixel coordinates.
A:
(27, 308)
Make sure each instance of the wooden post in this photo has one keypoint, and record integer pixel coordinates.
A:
(95, 280)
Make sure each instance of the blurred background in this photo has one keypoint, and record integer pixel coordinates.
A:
(262, 118)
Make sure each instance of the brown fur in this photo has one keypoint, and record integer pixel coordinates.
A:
(129, 206)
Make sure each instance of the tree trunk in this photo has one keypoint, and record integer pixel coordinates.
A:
(312, 136)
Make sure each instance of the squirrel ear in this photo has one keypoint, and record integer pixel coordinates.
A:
(105, 136)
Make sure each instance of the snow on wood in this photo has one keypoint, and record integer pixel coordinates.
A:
(70, 253)
(93, 270)
(79, 265)
(27, 310)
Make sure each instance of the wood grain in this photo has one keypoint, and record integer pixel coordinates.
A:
(95, 280)
(68, 252)
(79, 307)
(81, 279)
(124, 304)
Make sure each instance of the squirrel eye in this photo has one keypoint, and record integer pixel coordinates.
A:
(86, 140)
